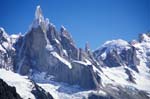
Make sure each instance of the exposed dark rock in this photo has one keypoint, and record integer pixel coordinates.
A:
(2, 37)
(6, 53)
(81, 53)
(112, 59)
(98, 96)
(41, 93)
(68, 44)
(119, 92)
(79, 75)
(85, 76)
(129, 58)
(54, 39)
(33, 52)
(8, 92)
(115, 58)
(130, 76)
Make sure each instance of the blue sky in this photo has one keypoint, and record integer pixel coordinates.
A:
(95, 21)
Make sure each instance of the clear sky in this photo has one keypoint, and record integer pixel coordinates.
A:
(95, 21)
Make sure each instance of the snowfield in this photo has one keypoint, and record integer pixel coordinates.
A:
(117, 76)
(65, 91)
(22, 84)
(58, 90)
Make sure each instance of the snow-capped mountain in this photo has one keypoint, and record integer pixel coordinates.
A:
(126, 63)
(50, 63)
(7, 51)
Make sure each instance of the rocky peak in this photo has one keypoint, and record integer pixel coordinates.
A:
(117, 53)
(38, 13)
(65, 33)
(68, 44)
(87, 47)
(3, 36)
(40, 20)
(62, 29)
(144, 37)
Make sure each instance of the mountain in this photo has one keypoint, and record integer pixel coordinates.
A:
(50, 65)
(43, 49)
(126, 63)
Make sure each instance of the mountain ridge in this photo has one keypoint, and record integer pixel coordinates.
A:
(45, 54)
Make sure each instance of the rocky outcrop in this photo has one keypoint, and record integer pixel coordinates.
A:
(98, 96)
(7, 92)
(68, 44)
(33, 52)
(119, 92)
(41, 93)
(85, 76)
(7, 51)
(117, 53)
(80, 74)
(130, 75)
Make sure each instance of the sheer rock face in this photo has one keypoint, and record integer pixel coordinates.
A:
(79, 75)
(33, 52)
(35, 55)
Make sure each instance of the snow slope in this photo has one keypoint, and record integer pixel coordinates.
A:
(65, 91)
(117, 76)
(118, 44)
(22, 84)
(60, 90)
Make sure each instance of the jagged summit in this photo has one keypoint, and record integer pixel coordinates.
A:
(44, 23)
(39, 20)
(63, 28)
(38, 13)
(144, 38)
(65, 33)
(3, 33)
